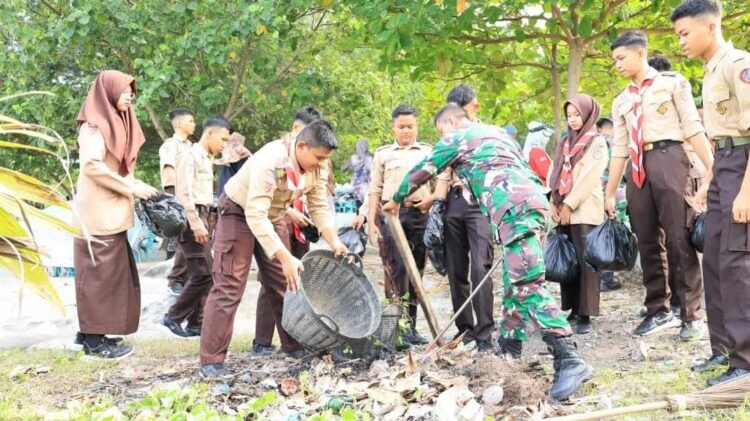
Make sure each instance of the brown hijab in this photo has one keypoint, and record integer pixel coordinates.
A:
(122, 134)
(589, 110)
(234, 150)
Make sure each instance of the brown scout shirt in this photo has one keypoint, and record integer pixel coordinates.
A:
(726, 93)
(168, 153)
(669, 112)
(195, 182)
(263, 189)
(390, 165)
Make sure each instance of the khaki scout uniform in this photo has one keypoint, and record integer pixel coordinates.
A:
(195, 180)
(390, 165)
(669, 117)
(251, 223)
(726, 258)
(168, 153)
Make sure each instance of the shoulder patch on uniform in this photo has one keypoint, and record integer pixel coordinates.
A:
(745, 75)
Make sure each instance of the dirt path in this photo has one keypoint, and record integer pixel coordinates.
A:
(629, 369)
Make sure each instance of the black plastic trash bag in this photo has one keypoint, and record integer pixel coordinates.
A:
(698, 232)
(354, 240)
(164, 215)
(611, 246)
(311, 233)
(434, 238)
(560, 259)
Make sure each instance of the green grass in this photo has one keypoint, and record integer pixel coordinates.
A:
(69, 375)
(651, 381)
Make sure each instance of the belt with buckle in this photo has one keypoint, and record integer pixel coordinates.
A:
(723, 142)
(661, 144)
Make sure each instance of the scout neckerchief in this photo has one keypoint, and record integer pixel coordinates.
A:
(566, 175)
(636, 133)
(294, 177)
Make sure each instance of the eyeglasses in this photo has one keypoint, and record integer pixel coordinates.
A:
(128, 95)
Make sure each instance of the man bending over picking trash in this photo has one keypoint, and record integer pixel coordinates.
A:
(491, 166)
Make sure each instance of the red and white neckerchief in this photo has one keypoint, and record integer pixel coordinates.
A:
(636, 133)
(566, 175)
(295, 182)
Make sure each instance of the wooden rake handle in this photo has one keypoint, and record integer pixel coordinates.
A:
(394, 225)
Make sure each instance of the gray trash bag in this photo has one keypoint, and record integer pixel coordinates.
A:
(354, 240)
(164, 215)
(434, 238)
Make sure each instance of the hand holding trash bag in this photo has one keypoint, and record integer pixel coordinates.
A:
(611, 246)
(163, 214)
(698, 232)
(434, 238)
(560, 259)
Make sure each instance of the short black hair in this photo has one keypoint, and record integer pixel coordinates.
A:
(307, 115)
(695, 8)
(660, 63)
(319, 133)
(462, 94)
(630, 39)
(177, 112)
(404, 109)
(603, 122)
(450, 110)
(218, 121)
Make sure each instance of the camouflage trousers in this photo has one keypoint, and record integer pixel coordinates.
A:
(526, 300)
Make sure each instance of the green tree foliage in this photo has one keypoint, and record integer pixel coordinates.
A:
(523, 51)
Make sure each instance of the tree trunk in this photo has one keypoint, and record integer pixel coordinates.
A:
(155, 120)
(575, 66)
(556, 91)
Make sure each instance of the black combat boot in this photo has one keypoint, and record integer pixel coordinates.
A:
(571, 371)
(510, 347)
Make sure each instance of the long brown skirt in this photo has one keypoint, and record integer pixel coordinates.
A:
(108, 291)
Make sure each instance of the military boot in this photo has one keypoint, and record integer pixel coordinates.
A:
(571, 371)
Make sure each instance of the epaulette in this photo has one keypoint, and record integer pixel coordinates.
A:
(669, 74)
(382, 148)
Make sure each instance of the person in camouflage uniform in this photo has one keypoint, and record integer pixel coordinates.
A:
(491, 166)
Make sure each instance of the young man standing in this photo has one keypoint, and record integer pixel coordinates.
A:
(183, 124)
(467, 238)
(265, 324)
(492, 168)
(252, 213)
(653, 117)
(726, 258)
(195, 190)
(390, 164)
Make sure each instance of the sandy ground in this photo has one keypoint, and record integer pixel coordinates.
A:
(28, 321)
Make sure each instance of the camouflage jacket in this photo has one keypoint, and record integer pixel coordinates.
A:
(489, 163)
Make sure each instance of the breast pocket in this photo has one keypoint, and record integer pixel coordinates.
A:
(624, 109)
(393, 165)
(720, 102)
(205, 181)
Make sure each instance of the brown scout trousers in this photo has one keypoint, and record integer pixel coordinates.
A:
(581, 296)
(178, 274)
(726, 261)
(234, 247)
(661, 219)
(265, 325)
(190, 302)
(468, 238)
(397, 283)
